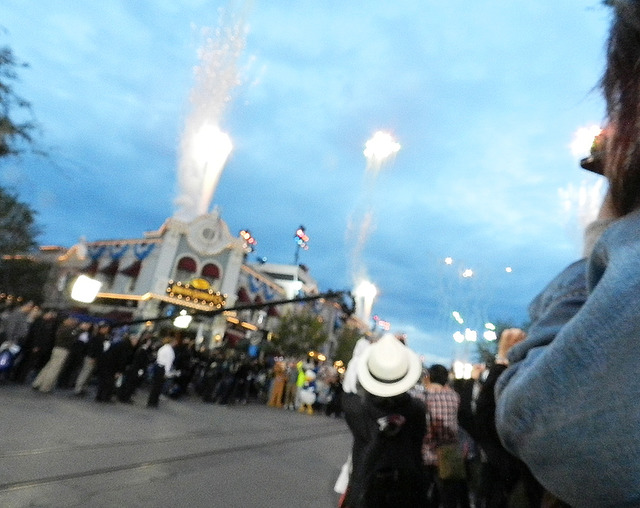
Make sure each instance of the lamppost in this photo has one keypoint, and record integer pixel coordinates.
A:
(301, 239)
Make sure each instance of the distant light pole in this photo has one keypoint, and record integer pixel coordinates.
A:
(301, 239)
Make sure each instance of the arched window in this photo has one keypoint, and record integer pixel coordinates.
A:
(185, 269)
(211, 273)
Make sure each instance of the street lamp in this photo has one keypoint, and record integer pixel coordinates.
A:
(85, 289)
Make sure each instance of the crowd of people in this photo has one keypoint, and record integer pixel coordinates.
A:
(422, 438)
(553, 422)
(51, 350)
(555, 419)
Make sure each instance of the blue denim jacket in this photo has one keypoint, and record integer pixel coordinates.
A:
(569, 404)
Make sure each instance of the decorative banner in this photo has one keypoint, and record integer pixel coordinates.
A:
(269, 293)
(258, 286)
(142, 250)
(117, 251)
(96, 251)
(254, 284)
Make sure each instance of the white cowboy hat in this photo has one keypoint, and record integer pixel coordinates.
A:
(388, 367)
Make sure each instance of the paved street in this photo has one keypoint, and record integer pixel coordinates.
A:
(60, 451)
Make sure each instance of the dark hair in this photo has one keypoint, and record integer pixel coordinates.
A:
(621, 88)
(438, 374)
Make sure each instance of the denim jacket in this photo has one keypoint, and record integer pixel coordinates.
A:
(569, 404)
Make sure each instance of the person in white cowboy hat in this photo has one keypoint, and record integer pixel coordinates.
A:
(390, 473)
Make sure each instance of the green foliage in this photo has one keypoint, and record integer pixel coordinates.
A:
(19, 274)
(18, 231)
(299, 332)
(24, 277)
(347, 338)
(13, 132)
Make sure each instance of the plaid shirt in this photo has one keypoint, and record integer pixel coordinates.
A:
(442, 420)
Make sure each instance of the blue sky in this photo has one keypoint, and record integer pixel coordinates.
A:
(484, 99)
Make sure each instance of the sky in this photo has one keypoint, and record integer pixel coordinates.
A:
(484, 99)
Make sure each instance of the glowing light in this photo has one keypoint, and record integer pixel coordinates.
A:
(508, 269)
(85, 289)
(456, 315)
(583, 139)
(204, 148)
(458, 337)
(462, 370)
(467, 273)
(384, 325)
(380, 148)
(490, 335)
(470, 335)
(364, 294)
(448, 261)
(183, 320)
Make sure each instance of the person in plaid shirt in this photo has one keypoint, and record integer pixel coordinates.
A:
(442, 404)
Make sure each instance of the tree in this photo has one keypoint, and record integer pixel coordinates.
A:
(18, 231)
(347, 338)
(13, 132)
(299, 332)
(20, 275)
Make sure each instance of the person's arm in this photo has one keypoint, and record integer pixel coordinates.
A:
(567, 404)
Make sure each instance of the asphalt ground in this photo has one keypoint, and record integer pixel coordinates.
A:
(58, 450)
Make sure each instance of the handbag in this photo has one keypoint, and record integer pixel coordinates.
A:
(451, 462)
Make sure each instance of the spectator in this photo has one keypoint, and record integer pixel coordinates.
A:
(570, 390)
(134, 371)
(389, 472)
(38, 345)
(292, 386)
(65, 337)
(506, 480)
(442, 404)
(162, 369)
(75, 360)
(94, 350)
(17, 322)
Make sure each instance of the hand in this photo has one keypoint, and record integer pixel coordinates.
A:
(477, 370)
(509, 338)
